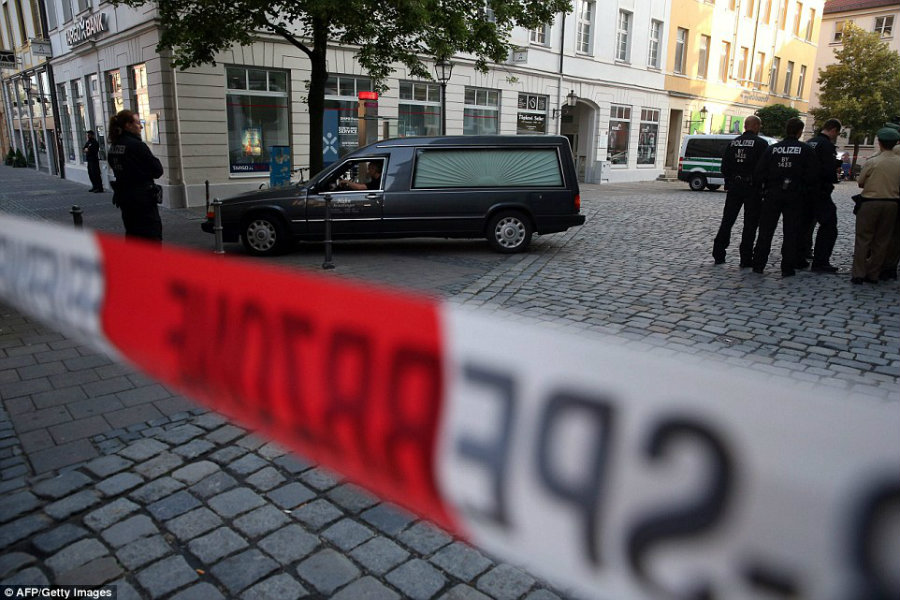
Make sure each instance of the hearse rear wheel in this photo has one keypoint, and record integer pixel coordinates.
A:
(509, 231)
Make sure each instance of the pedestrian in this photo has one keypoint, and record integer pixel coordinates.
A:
(738, 164)
(135, 168)
(91, 151)
(891, 261)
(787, 170)
(818, 207)
(876, 209)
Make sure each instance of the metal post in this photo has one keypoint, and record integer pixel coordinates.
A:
(217, 226)
(77, 213)
(443, 108)
(207, 195)
(327, 264)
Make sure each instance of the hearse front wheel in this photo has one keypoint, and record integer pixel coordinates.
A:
(509, 232)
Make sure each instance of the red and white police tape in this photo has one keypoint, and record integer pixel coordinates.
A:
(611, 473)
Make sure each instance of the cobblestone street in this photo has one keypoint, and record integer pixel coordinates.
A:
(107, 476)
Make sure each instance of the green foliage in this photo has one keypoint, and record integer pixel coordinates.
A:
(10, 157)
(19, 160)
(384, 34)
(774, 118)
(860, 89)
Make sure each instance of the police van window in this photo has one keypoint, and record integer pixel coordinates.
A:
(706, 148)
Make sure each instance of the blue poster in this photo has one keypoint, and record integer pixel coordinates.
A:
(330, 140)
(279, 166)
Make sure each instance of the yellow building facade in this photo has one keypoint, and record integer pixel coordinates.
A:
(729, 58)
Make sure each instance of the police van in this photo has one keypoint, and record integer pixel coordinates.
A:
(700, 161)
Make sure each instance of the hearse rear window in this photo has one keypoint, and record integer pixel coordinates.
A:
(472, 167)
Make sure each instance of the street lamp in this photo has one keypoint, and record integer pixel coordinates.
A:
(703, 114)
(443, 70)
(571, 101)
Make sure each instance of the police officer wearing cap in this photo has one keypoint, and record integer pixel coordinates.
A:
(876, 209)
(818, 207)
(738, 164)
(787, 170)
(891, 261)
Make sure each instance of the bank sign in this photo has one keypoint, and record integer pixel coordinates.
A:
(86, 28)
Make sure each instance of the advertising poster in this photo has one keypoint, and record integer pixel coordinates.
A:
(251, 141)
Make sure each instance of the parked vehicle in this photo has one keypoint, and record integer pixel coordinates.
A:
(700, 161)
(503, 188)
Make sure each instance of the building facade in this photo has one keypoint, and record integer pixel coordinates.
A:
(729, 58)
(880, 16)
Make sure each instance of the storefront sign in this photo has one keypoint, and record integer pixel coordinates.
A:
(754, 97)
(40, 47)
(87, 28)
(7, 59)
(532, 123)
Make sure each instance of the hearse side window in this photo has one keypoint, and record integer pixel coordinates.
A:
(467, 167)
(706, 148)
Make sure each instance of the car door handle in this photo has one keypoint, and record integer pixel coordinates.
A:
(376, 197)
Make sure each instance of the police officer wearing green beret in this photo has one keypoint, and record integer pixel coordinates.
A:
(876, 209)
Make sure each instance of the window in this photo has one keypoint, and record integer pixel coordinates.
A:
(140, 102)
(419, 109)
(839, 30)
(750, 6)
(884, 25)
(809, 24)
(82, 5)
(782, 17)
(703, 63)
(51, 13)
(79, 114)
(801, 81)
(681, 38)
(798, 12)
(65, 114)
(258, 115)
(541, 35)
(788, 74)
(341, 123)
(488, 12)
(622, 34)
(463, 168)
(742, 65)
(619, 128)
(724, 58)
(655, 36)
(532, 115)
(481, 113)
(647, 137)
(731, 4)
(773, 75)
(95, 111)
(67, 10)
(114, 100)
(585, 22)
(758, 69)
(767, 12)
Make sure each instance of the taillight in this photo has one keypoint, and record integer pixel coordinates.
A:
(577, 202)
(210, 214)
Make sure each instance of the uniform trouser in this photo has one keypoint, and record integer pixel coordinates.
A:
(892, 258)
(775, 204)
(819, 208)
(875, 222)
(142, 221)
(93, 167)
(748, 198)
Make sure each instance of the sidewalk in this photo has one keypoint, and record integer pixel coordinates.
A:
(108, 477)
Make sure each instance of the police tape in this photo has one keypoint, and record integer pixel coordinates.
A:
(607, 471)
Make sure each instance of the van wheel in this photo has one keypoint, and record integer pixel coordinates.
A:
(509, 232)
(264, 235)
(712, 186)
(697, 182)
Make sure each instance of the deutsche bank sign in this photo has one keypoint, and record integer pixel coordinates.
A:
(86, 28)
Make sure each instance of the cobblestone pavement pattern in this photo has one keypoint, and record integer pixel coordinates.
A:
(109, 477)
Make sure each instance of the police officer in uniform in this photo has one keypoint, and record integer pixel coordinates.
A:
(787, 170)
(91, 151)
(738, 165)
(135, 168)
(818, 207)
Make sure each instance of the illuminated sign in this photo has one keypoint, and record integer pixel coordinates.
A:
(86, 28)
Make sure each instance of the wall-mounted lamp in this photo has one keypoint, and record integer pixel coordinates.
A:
(571, 101)
(703, 114)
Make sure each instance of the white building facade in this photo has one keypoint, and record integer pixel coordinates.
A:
(219, 124)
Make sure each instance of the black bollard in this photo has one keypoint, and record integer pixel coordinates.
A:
(207, 195)
(327, 264)
(77, 213)
(217, 226)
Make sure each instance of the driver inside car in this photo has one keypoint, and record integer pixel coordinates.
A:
(374, 179)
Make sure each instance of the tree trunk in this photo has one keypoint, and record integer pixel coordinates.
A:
(853, 162)
(316, 98)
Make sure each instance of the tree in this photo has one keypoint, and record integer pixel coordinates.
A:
(384, 32)
(860, 89)
(774, 117)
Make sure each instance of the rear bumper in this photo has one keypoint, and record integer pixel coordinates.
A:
(557, 223)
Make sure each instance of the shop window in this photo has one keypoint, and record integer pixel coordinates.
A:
(619, 130)
(141, 102)
(648, 135)
(341, 119)
(65, 114)
(79, 115)
(419, 109)
(532, 114)
(258, 115)
(95, 111)
(481, 114)
(114, 98)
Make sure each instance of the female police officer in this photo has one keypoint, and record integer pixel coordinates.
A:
(135, 168)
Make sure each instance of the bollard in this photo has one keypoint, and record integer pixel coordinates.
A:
(327, 264)
(207, 195)
(77, 213)
(217, 226)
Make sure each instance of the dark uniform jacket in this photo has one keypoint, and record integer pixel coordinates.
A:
(827, 161)
(787, 167)
(741, 158)
(91, 150)
(135, 168)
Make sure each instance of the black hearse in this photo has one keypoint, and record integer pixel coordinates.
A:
(503, 188)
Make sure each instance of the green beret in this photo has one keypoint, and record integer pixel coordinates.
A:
(892, 125)
(888, 134)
